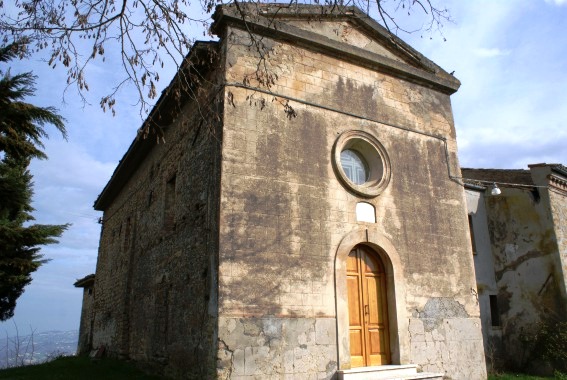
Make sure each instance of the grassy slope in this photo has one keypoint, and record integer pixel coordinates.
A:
(72, 367)
(509, 376)
(77, 368)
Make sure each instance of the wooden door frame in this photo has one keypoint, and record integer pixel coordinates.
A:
(396, 295)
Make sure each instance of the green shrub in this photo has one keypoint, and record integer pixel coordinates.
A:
(549, 344)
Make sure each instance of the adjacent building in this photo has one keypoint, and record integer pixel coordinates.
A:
(520, 256)
(87, 313)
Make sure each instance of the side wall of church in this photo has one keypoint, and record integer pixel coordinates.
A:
(155, 280)
(284, 215)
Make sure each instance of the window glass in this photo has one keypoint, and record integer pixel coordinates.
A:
(365, 212)
(354, 166)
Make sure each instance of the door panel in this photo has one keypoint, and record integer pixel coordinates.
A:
(354, 311)
(368, 315)
(372, 300)
(352, 265)
(356, 348)
(354, 308)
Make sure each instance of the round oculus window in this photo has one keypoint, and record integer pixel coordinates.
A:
(361, 163)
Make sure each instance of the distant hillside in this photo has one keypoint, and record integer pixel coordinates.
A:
(37, 348)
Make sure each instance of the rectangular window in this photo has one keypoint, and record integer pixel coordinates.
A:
(169, 212)
(150, 197)
(494, 312)
(471, 230)
(127, 235)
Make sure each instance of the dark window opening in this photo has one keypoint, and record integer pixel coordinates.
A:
(535, 195)
(150, 197)
(169, 211)
(127, 234)
(471, 230)
(494, 313)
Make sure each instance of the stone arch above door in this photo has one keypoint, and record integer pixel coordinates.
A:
(399, 334)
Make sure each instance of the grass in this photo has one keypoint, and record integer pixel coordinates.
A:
(513, 376)
(84, 368)
(77, 367)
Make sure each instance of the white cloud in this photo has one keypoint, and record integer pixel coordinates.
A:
(70, 166)
(508, 111)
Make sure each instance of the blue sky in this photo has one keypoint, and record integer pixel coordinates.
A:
(511, 57)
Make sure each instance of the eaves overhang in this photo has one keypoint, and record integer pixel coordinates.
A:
(264, 19)
(159, 117)
(85, 282)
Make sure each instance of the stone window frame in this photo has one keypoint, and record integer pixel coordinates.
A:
(375, 155)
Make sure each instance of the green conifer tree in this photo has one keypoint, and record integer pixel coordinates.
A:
(21, 131)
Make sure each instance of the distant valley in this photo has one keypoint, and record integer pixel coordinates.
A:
(37, 347)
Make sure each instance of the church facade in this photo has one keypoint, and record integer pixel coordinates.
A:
(304, 218)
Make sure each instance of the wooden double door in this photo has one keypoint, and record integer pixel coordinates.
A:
(367, 307)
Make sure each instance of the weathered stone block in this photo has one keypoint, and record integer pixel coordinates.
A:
(325, 331)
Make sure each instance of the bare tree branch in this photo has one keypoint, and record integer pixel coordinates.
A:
(148, 34)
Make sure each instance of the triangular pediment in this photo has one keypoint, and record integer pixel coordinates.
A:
(348, 33)
(338, 31)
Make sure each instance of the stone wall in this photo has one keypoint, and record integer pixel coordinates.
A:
(553, 177)
(284, 215)
(558, 204)
(156, 271)
(525, 265)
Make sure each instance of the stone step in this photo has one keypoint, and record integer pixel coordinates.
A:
(385, 372)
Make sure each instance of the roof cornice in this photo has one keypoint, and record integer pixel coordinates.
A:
(559, 169)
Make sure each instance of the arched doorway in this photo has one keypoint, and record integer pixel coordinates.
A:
(367, 308)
